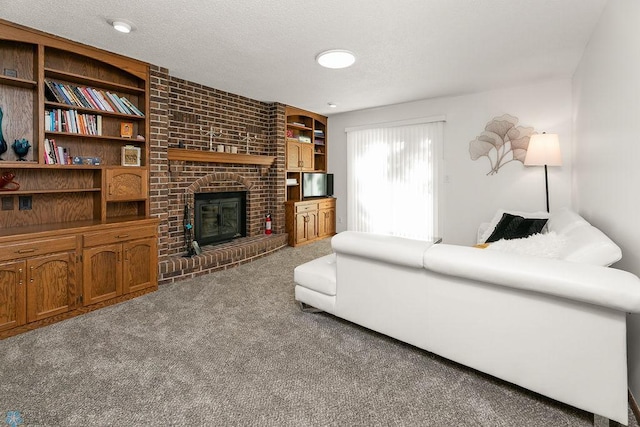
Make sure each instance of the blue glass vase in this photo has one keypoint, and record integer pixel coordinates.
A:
(21, 148)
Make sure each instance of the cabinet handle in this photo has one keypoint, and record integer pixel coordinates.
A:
(31, 274)
(110, 189)
(26, 251)
(21, 278)
(122, 236)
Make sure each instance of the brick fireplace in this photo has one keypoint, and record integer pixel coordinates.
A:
(184, 114)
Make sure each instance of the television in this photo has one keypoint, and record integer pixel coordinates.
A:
(317, 184)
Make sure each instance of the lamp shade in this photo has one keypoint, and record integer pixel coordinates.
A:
(544, 149)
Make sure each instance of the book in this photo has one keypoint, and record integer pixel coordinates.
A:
(132, 107)
(50, 93)
(103, 100)
(118, 104)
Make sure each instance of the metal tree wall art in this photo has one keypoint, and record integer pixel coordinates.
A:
(501, 142)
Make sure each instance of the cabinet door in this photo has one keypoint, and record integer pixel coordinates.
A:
(126, 184)
(326, 222)
(306, 156)
(12, 295)
(306, 226)
(140, 264)
(50, 285)
(293, 156)
(102, 273)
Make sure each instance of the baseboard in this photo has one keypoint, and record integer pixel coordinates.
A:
(634, 407)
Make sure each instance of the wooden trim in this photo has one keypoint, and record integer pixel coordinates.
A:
(20, 33)
(215, 157)
(634, 407)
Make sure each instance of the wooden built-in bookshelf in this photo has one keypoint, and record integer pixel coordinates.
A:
(70, 201)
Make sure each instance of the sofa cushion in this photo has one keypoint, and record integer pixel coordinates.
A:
(318, 275)
(516, 227)
(487, 230)
(564, 220)
(586, 244)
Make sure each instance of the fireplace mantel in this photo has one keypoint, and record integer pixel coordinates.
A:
(185, 154)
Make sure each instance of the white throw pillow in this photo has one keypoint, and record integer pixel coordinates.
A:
(549, 245)
(498, 216)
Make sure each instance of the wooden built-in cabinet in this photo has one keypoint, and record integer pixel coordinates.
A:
(306, 220)
(51, 89)
(306, 144)
(310, 220)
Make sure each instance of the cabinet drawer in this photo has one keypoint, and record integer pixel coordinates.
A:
(310, 207)
(108, 237)
(37, 247)
(327, 204)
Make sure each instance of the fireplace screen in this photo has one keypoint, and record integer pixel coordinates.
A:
(219, 217)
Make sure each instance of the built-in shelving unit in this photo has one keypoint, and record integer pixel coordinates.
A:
(71, 235)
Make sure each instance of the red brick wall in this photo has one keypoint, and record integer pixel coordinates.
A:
(182, 112)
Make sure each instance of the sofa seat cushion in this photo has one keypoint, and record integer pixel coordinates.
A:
(318, 275)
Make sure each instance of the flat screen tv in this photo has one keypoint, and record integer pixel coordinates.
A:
(317, 184)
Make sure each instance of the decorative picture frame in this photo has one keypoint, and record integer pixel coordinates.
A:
(126, 130)
(130, 155)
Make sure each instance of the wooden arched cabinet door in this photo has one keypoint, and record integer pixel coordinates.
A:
(51, 285)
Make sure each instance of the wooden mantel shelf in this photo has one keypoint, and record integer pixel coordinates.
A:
(215, 157)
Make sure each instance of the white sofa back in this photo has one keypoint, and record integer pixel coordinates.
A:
(584, 243)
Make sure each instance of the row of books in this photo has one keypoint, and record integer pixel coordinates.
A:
(54, 154)
(88, 97)
(71, 121)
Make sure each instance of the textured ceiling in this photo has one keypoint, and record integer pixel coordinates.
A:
(265, 50)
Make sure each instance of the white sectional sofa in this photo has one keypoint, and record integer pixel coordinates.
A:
(553, 326)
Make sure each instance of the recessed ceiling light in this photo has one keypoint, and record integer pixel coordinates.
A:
(336, 58)
(331, 105)
(121, 25)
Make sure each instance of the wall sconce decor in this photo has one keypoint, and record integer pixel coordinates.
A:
(211, 134)
(501, 142)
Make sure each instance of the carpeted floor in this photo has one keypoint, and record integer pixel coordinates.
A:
(232, 348)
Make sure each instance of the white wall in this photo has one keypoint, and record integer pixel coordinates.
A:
(607, 143)
(467, 195)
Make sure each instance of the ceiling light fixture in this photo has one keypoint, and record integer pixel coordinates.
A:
(336, 58)
(122, 26)
(332, 105)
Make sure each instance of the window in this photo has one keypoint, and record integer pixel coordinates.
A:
(391, 178)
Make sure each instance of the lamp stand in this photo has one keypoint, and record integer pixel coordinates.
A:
(546, 186)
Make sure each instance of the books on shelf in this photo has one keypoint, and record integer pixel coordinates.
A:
(88, 97)
(55, 154)
(58, 120)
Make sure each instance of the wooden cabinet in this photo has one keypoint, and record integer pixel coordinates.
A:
(13, 308)
(38, 280)
(118, 263)
(60, 254)
(299, 156)
(327, 218)
(306, 147)
(310, 220)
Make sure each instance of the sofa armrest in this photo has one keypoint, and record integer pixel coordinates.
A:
(603, 286)
(395, 250)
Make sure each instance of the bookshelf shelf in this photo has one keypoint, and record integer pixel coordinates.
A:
(122, 116)
(88, 81)
(13, 81)
(103, 137)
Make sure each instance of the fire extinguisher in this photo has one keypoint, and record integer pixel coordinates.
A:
(267, 224)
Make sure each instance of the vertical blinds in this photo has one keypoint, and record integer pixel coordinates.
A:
(391, 179)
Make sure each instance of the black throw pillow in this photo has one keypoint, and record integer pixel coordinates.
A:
(516, 227)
